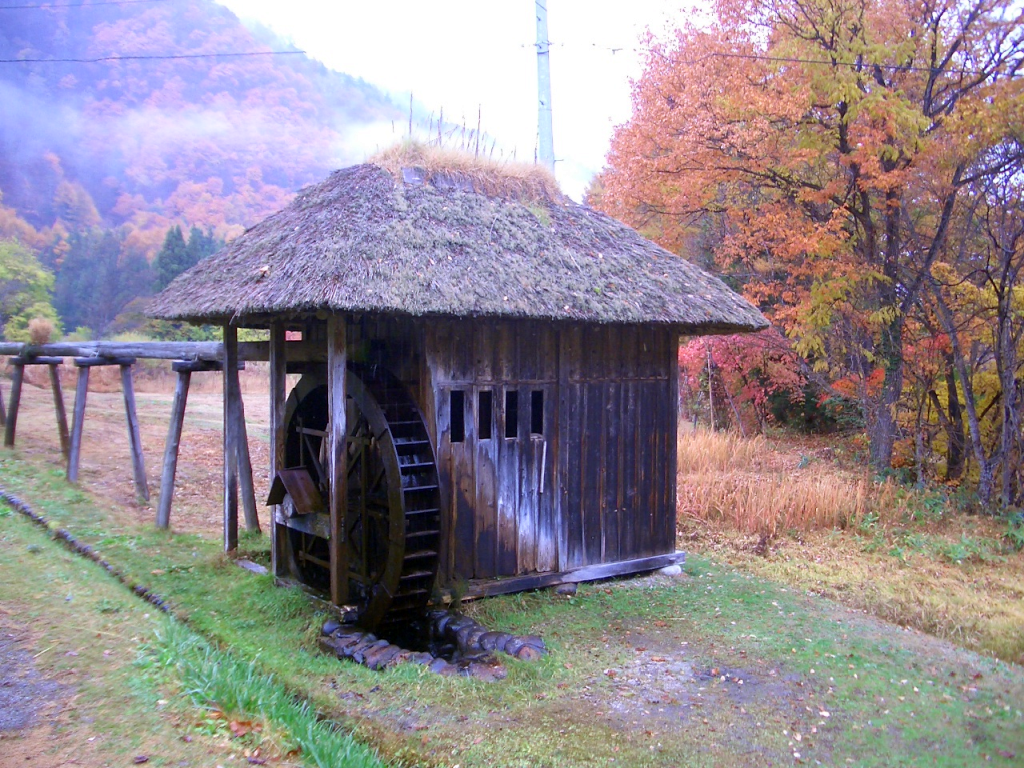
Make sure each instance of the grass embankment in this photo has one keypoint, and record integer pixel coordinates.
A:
(135, 683)
(715, 668)
(812, 520)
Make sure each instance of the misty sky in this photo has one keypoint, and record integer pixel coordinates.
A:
(458, 55)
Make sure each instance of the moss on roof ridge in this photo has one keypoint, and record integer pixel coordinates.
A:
(495, 178)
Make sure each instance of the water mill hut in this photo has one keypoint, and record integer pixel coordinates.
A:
(488, 391)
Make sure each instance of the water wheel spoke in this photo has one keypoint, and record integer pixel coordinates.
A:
(313, 455)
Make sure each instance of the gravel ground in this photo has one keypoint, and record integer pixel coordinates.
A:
(24, 692)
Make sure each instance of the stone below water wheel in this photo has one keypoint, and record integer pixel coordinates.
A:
(392, 518)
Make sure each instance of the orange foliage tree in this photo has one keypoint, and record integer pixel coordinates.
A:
(827, 142)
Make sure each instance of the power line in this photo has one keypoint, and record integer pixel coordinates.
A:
(826, 62)
(51, 6)
(765, 57)
(154, 57)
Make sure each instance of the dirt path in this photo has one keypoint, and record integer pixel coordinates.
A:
(31, 705)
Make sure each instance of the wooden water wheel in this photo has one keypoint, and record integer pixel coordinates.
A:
(392, 517)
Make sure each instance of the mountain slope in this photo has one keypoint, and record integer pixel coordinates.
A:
(142, 143)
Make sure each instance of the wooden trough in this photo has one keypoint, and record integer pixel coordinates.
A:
(188, 358)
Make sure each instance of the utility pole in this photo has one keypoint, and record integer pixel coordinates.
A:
(546, 142)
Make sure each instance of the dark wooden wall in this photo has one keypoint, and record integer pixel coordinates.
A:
(617, 416)
(590, 481)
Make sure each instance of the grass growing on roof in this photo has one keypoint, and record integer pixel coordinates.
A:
(498, 178)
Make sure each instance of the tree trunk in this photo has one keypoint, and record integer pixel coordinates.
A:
(956, 447)
(882, 418)
(986, 481)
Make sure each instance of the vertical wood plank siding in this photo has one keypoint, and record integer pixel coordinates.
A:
(596, 485)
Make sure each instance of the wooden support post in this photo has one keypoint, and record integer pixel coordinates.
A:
(230, 440)
(3, 410)
(163, 510)
(134, 434)
(12, 416)
(244, 468)
(337, 470)
(278, 382)
(58, 405)
(81, 391)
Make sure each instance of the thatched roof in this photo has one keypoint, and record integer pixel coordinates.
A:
(422, 242)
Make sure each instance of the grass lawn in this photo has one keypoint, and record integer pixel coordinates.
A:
(718, 667)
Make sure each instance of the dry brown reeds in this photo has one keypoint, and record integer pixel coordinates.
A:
(726, 478)
(702, 451)
(497, 178)
(40, 330)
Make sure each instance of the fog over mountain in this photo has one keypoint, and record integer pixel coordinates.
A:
(163, 135)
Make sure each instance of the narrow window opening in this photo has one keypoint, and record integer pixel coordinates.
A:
(511, 413)
(485, 414)
(457, 431)
(537, 412)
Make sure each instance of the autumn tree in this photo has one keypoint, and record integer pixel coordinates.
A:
(978, 302)
(25, 287)
(829, 141)
(752, 374)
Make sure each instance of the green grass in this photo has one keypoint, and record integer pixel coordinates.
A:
(83, 628)
(210, 678)
(176, 658)
(633, 676)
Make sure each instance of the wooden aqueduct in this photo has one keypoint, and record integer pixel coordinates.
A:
(487, 386)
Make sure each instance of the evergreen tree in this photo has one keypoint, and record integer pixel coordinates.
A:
(201, 244)
(95, 280)
(173, 258)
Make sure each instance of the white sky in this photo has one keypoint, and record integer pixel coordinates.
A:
(458, 55)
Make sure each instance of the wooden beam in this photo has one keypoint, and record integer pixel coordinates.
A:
(230, 440)
(134, 434)
(23, 360)
(196, 366)
(58, 406)
(278, 383)
(211, 351)
(170, 468)
(244, 469)
(12, 417)
(158, 350)
(94, 362)
(672, 470)
(337, 470)
(490, 587)
(81, 392)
